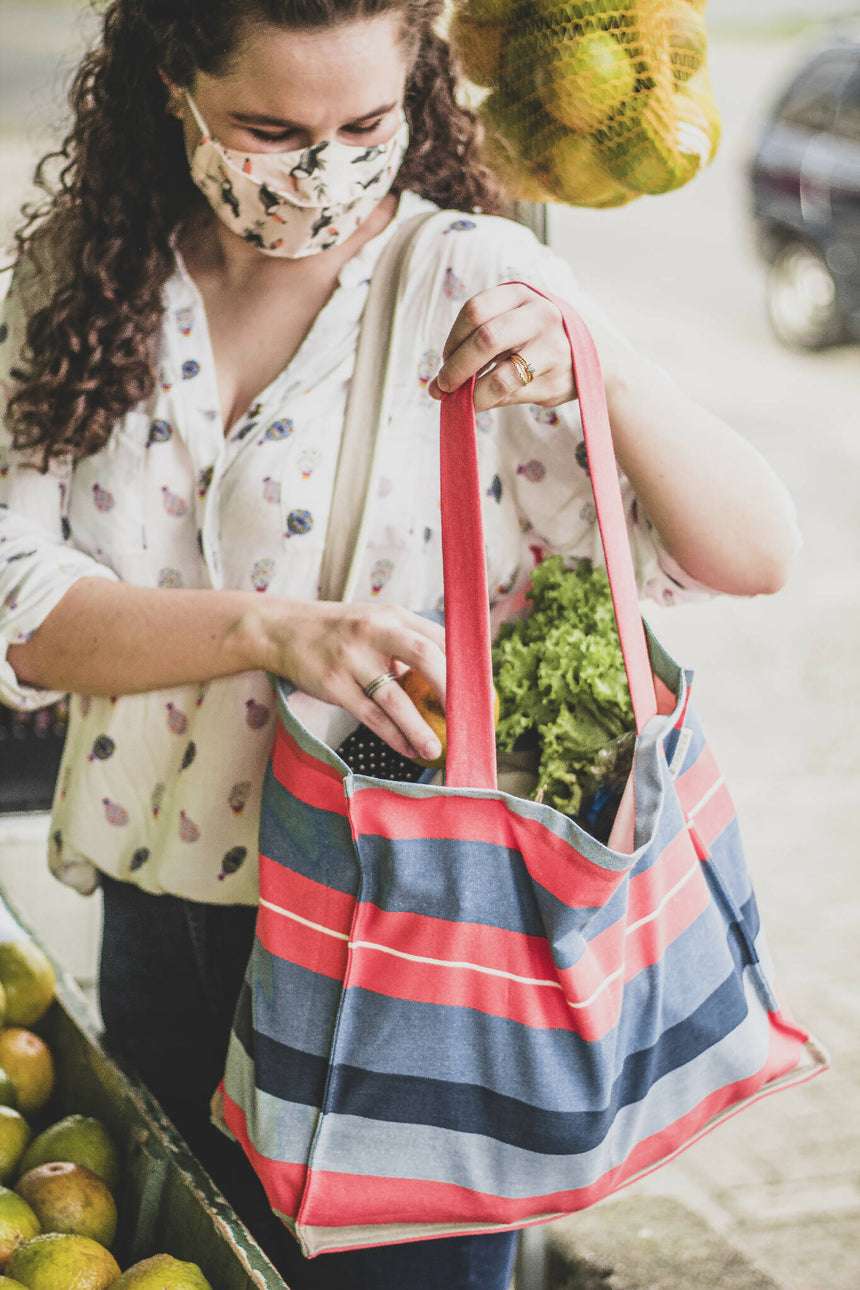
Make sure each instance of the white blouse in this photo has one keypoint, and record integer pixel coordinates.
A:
(162, 789)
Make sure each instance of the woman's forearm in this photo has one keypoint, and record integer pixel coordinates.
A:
(111, 638)
(114, 638)
(719, 509)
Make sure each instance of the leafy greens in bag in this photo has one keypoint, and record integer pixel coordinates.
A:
(561, 682)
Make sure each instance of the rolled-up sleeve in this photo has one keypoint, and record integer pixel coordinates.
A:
(37, 564)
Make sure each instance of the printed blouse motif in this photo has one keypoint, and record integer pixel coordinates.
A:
(163, 789)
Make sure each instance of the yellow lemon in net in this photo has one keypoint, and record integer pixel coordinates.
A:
(587, 80)
(18, 1223)
(163, 1272)
(589, 15)
(512, 136)
(28, 981)
(695, 105)
(643, 149)
(688, 39)
(70, 1198)
(27, 1060)
(79, 1139)
(56, 1261)
(14, 1135)
(573, 174)
(479, 47)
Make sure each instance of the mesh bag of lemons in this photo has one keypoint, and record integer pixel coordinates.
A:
(589, 102)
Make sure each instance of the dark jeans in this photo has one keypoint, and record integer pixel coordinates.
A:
(170, 975)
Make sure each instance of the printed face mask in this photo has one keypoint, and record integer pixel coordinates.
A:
(293, 204)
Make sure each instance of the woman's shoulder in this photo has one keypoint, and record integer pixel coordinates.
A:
(458, 253)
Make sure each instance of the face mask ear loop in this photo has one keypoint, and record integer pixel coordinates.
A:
(204, 129)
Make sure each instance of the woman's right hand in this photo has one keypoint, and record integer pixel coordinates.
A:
(332, 651)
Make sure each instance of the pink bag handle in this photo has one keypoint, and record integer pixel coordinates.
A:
(471, 745)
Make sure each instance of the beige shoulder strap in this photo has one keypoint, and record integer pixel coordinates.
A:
(366, 407)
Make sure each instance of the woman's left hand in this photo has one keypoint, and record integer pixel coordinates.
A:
(490, 328)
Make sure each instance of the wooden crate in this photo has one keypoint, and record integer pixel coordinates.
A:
(167, 1203)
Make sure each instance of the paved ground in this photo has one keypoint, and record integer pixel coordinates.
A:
(777, 679)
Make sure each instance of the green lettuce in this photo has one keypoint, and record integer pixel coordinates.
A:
(560, 677)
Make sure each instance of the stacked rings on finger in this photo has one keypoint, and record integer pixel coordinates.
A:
(377, 682)
(523, 368)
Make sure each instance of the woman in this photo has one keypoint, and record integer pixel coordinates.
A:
(177, 348)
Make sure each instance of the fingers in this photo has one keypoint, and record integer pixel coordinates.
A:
(334, 651)
(481, 311)
(390, 712)
(393, 716)
(491, 327)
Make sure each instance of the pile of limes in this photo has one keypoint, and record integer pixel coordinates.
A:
(590, 102)
(58, 1216)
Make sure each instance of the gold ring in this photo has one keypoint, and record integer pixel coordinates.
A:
(523, 368)
(378, 681)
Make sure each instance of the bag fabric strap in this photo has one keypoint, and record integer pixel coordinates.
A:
(367, 405)
(470, 753)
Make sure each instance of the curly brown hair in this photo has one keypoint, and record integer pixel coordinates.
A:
(99, 249)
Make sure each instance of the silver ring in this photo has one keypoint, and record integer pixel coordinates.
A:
(378, 681)
(523, 368)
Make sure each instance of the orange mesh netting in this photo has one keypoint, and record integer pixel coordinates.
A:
(589, 102)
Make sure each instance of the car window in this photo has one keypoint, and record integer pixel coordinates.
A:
(811, 102)
(847, 123)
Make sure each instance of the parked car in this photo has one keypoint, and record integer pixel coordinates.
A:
(805, 184)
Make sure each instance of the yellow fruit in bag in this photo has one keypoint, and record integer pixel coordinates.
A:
(583, 14)
(593, 102)
(572, 168)
(507, 134)
(688, 39)
(649, 149)
(587, 80)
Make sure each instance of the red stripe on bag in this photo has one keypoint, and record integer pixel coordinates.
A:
(539, 1004)
(305, 897)
(306, 778)
(284, 1181)
(360, 1199)
(705, 799)
(695, 782)
(677, 874)
(710, 818)
(628, 948)
(477, 944)
(317, 948)
(553, 862)
(460, 965)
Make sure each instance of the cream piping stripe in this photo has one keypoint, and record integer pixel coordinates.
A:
(476, 967)
(706, 797)
(306, 922)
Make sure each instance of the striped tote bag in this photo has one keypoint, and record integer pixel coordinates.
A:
(462, 1012)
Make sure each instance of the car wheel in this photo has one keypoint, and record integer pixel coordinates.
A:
(801, 299)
